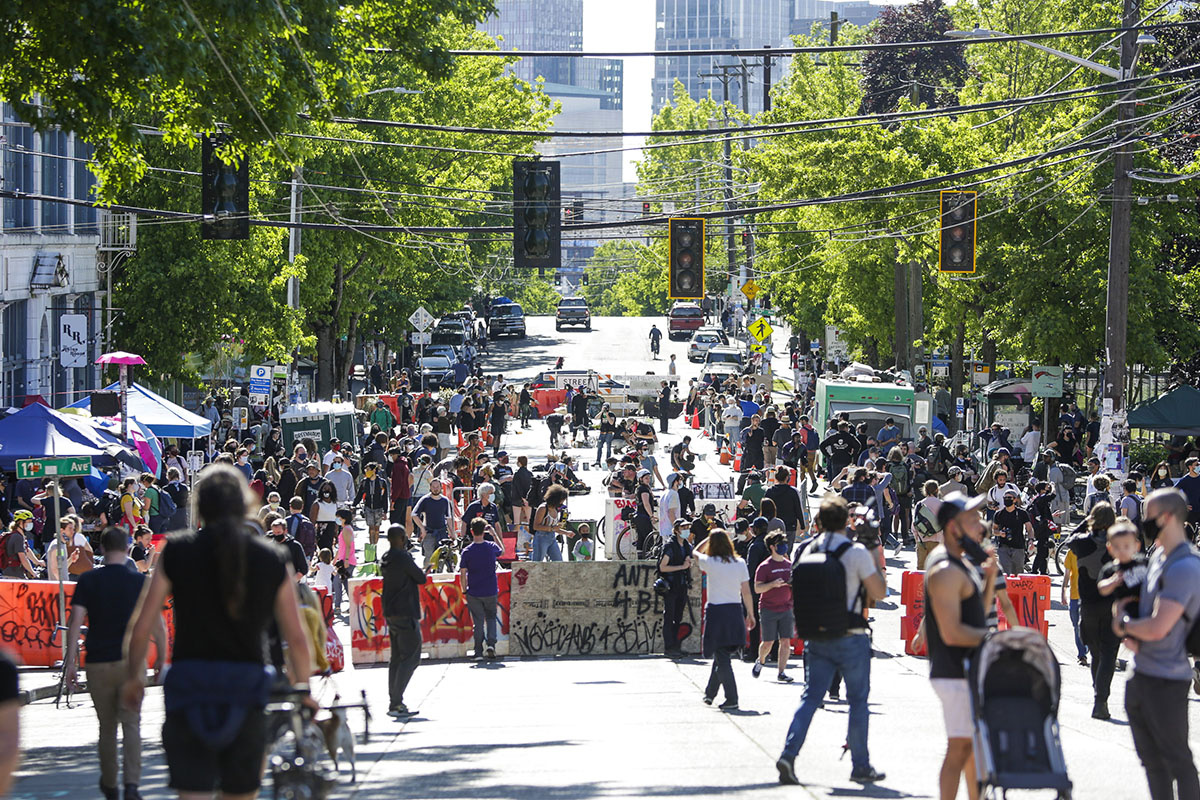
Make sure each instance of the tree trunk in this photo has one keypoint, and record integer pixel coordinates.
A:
(871, 350)
(957, 368)
(326, 360)
(987, 354)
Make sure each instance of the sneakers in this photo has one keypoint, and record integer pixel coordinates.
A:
(490, 652)
(729, 705)
(1083, 662)
(707, 700)
(785, 678)
(787, 771)
(1100, 710)
(400, 711)
(756, 670)
(867, 774)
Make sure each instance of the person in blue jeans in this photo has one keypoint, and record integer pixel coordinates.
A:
(478, 568)
(608, 430)
(849, 654)
(547, 525)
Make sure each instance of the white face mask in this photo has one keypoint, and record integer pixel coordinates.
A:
(28, 526)
(1162, 473)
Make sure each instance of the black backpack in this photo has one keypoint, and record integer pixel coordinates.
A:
(819, 594)
(1191, 642)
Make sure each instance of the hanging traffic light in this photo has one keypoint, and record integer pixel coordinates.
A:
(645, 209)
(224, 194)
(536, 214)
(686, 266)
(956, 246)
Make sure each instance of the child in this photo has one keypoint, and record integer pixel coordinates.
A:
(345, 559)
(584, 550)
(1124, 575)
(1070, 598)
(322, 569)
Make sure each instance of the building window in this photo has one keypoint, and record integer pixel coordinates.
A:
(55, 167)
(85, 216)
(18, 176)
(12, 353)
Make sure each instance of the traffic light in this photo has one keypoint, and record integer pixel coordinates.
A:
(224, 194)
(645, 209)
(956, 247)
(536, 214)
(686, 267)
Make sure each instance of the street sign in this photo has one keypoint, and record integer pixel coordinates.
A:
(195, 460)
(73, 341)
(279, 372)
(422, 337)
(761, 329)
(758, 348)
(36, 468)
(814, 345)
(421, 319)
(959, 406)
(750, 289)
(259, 399)
(260, 379)
(1047, 381)
(835, 347)
(982, 375)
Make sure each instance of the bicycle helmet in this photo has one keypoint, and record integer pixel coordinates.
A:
(22, 515)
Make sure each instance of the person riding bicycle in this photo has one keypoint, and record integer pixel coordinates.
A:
(655, 338)
(228, 584)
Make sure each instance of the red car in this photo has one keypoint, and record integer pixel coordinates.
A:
(684, 319)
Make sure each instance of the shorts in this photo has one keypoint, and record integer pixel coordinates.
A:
(776, 624)
(195, 767)
(956, 706)
(374, 516)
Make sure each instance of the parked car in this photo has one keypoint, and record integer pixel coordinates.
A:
(506, 319)
(448, 352)
(702, 341)
(684, 319)
(572, 311)
(436, 370)
(723, 371)
(721, 354)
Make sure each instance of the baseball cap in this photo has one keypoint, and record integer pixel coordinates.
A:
(761, 522)
(709, 510)
(641, 473)
(1004, 450)
(956, 503)
(502, 454)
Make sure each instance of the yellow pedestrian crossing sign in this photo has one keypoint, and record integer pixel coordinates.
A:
(761, 329)
(750, 289)
(758, 348)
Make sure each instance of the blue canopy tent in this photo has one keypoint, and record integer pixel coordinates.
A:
(40, 432)
(160, 415)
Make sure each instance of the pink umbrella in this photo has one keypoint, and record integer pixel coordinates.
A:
(120, 357)
(123, 360)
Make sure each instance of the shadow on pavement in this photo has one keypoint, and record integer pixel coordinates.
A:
(46, 772)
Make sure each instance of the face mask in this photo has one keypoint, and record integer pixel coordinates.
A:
(241, 459)
(274, 505)
(1162, 473)
(1150, 529)
(28, 526)
(337, 466)
(973, 550)
(1009, 502)
(782, 549)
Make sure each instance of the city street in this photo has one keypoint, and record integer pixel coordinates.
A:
(566, 728)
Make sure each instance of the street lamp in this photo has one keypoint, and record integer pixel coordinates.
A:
(1117, 314)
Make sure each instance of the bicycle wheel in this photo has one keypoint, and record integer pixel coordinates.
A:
(1060, 557)
(600, 531)
(627, 545)
(301, 768)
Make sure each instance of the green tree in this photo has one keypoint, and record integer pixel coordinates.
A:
(106, 69)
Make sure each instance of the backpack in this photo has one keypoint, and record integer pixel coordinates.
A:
(166, 504)
(5, 561)
(819, 594)
(925, 522)
(1191, 641)
(899, 472)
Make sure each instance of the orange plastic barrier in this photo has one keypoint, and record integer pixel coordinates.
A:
(1030, 596)
(546, 400)
(29, 617)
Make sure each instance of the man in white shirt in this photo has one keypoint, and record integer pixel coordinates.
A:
(498, 384)
(668, 506)
(1030, 443)
(731, 418)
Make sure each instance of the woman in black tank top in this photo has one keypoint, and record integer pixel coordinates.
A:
(228, 585)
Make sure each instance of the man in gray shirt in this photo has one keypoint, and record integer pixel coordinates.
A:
(1156, 696)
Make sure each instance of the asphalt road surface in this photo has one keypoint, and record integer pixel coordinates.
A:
(574, 729)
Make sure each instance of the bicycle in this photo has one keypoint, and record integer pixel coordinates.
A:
(66, 687)
(302, 766)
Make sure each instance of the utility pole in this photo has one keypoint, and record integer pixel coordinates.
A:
(766, 100)
(724, 72)
(293, 284)
(1117, 318)
(916, 314)
(834, 25)
(900, 305)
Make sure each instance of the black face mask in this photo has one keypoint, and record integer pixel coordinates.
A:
(973, 550)
(1150, 529)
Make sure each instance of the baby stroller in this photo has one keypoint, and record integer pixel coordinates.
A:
(1015, 685)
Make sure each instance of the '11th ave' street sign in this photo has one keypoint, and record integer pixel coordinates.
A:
(37, 468)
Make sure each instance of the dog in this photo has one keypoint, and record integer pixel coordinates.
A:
(338, 738)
